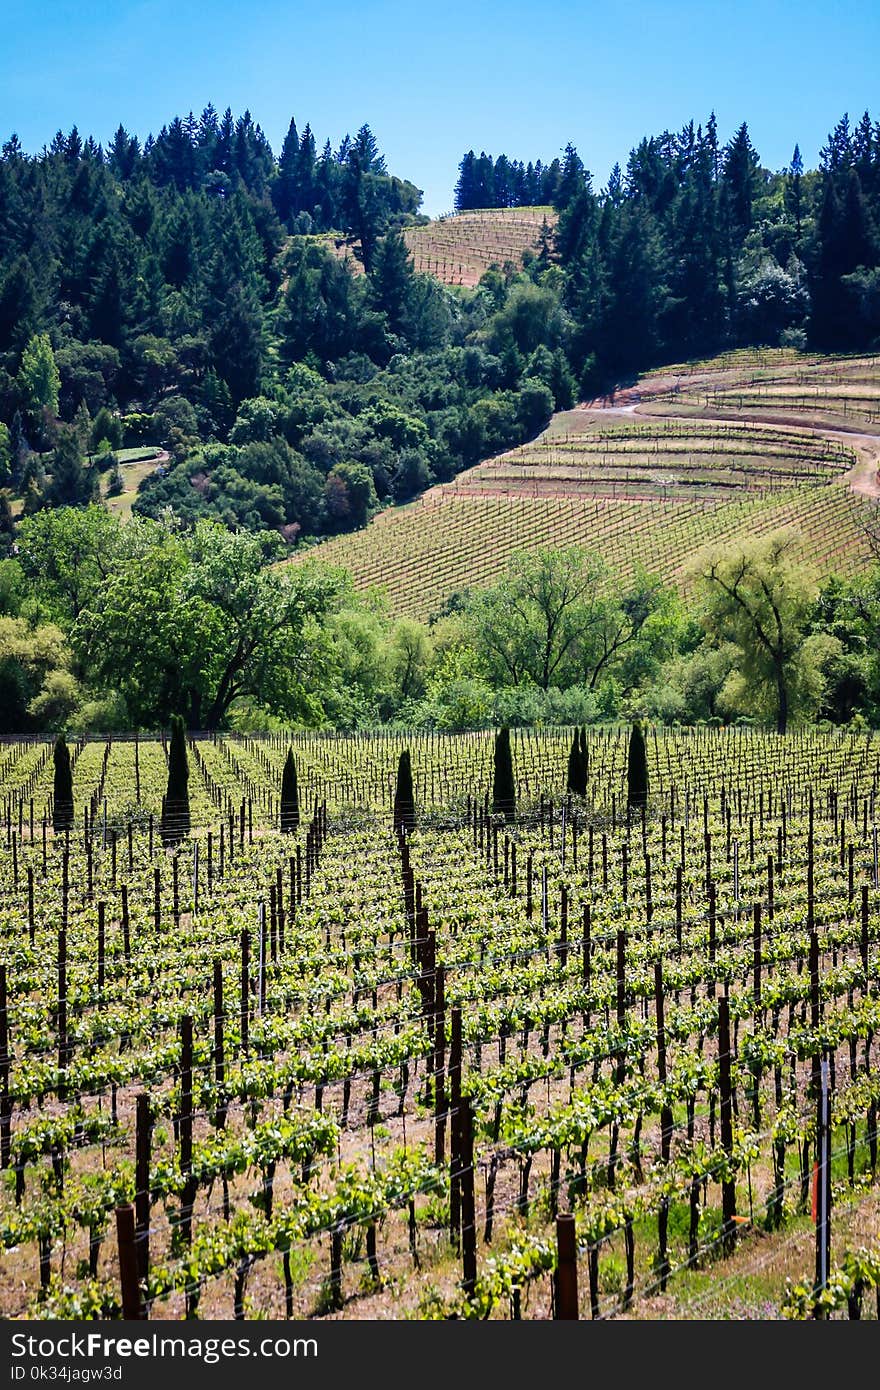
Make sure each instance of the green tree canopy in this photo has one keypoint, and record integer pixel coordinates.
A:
(67, 555)
(38, 377)
(760, 597)
(198, 621)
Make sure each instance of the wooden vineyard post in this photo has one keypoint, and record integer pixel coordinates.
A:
(143, 1135)
(30, 895)
(455, 1047)
(273, 923)
(665, 1126)
(712, 939)
(126, 926)
(132, 1309)
(65, 886)
(261, 968)
(585, 960)
(620, 1049)
(5, 1102)
(439, 1065)
(563, 928)
(728, 1185)
(468, 1213)
(101, 945)
(566, 1268)
(62, 1002)
(863, 936)
(279, 898)
(822, 1181)
(219, 1060)
(756, 954)
(187, 1199)
(245, 988)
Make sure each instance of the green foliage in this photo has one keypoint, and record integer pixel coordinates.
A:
(236, 626)
(38, 689)
(38, 377)
(106, 426)
(759, 597)
(72, 484)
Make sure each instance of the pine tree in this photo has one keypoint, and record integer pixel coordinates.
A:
(465, 188)
(404, 799)
(391, 279)
(740, 181)
(62, 790)
(503, 788)
(637, 769)
(284, 192)
(175, 807)
(794, 197)
(289, 796)
(69, 484)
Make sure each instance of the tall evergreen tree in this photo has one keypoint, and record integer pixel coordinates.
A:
(284, 192)
(637, 768)
(739, 180)
(503, 787)
(62, 787)
(175, 807)
(576, 781)
(391, 279)
(794, 194)
(404, 797)
(289, 796)
(71, 482)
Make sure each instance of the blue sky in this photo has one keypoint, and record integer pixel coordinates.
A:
(434, 80)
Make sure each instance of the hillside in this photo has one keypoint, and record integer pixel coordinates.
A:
(737, 446)
(459, 249)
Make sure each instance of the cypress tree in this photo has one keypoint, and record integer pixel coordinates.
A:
(572, 780)
(289, 796)
(503, 790)
(62, 790)
(175, 807)
(577, 766)
(637, 768)
(404, 800)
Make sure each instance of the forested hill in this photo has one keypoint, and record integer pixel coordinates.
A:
(183, 295)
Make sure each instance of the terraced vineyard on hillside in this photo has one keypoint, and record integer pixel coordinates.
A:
(649, 481)
(459, 249)
(347, 1072)
(842, 392)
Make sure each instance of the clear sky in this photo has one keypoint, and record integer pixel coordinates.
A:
(434, 80)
